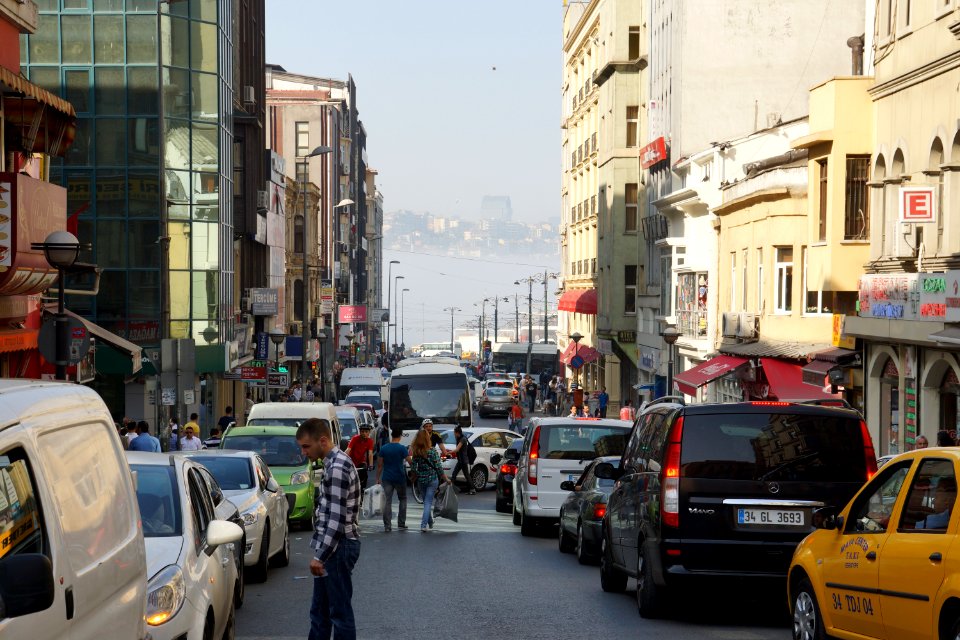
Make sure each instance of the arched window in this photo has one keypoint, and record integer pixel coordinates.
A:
(298, 299)
(933, 169)
(298, 234)
(897, 168)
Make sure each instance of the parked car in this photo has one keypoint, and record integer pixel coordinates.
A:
(69, 522)
(495, 399)
(367, 413)
(247, 482)
(724, 491)
(373, 398)
(350, 420)
(506, 470)
(192, 555)
(277, 446)
(581, 515)
(487, 442)
(554, 450)
(227, 511)
(892, 548)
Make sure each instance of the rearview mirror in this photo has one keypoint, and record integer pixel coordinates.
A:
(26, 584)
(827, 518)
(222, 532)
(606, 471)
(568, 485)
(272, 485)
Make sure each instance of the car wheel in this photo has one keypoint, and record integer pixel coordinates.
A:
(528, 525)
(502, 505)
(807, 621)
(563, 541)
(478, 478)
(240, 589)
(584, 556)
(650, 596)
(282, 559)
(612, 580)
(258, 572)
(516, 514)
(230, 631)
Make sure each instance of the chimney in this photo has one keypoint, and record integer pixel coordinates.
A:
(856, 49)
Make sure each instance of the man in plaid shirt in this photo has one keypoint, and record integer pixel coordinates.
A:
(336, 538)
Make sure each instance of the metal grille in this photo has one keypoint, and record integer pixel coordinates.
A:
(856, 218)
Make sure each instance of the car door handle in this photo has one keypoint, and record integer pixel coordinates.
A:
(936, 556)
(871, 555)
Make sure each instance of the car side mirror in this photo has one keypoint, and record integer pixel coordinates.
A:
(272, 485)
(568, 485)
(26, 584)
(221, 532)
(827, 518)
(495, 459)
(606, 471)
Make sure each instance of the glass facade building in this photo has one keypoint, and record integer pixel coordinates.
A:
(149, 177)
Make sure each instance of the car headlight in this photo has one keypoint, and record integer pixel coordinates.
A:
(250, 518)
(165, 595)
(300, 477)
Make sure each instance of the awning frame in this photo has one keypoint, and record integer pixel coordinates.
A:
(107, 337)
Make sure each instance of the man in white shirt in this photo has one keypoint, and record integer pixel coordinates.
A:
(189, 442)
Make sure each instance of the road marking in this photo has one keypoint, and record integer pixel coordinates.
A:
(469, 521)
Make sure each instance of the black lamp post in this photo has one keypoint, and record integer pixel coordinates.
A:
(350, 336)
(576, 337)
(277, 338)
(670, 336)
(61, 249)
(321, 336)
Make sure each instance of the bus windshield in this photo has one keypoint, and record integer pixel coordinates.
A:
(445, 399)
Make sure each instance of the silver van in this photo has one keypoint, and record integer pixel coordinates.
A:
(72, 559)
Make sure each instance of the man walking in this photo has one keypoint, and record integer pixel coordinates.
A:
(144, 441)
(336, 539)
(188, 442)
(226, 419)
(390, 474)
(602, 401)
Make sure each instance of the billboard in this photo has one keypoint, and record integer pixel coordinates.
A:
(352, 313)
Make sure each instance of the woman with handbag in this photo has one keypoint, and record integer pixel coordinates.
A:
(425, 462)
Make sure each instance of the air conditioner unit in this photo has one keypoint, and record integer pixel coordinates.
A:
(731, 325)
(263, 199)
(748, 326)
(249, 95)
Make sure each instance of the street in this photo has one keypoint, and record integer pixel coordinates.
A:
(479, 576)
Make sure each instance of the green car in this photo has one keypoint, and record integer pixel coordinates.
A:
(277, 445)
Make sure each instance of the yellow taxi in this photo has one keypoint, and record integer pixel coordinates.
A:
(888, 564)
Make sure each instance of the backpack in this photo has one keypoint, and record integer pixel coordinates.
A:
(471, 453)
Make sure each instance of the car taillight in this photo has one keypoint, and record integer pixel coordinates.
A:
(599, 510)
(770, 403)
(868, 451)
(534, 455)
(508, 469)
(670, 501)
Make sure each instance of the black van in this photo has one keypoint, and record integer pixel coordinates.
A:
(724, 491)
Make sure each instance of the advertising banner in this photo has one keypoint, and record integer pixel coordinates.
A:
(352, 313)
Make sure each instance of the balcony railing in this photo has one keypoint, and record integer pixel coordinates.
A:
(692, 324)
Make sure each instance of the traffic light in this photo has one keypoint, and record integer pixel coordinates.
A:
(282, 369)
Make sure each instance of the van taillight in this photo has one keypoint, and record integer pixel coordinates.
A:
(534, 455)
(670, 500)
(869, 453)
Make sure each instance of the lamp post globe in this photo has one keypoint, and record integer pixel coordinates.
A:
(61, 249)
(670, 334)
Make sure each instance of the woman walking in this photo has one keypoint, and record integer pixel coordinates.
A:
(425, 462)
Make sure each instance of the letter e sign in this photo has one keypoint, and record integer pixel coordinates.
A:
(917, 204)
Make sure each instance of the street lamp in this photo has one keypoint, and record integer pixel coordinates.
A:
(670, 336)
(529, 281)
(350, 336)
(403, 307)
(61, 249)
(576, 337)
(277, 338)
(389, 308)
(395, 278)
(321, 336)
(452, 310)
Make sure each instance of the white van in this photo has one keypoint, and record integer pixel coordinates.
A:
(362, 379)
(291, 414)
(72, 559)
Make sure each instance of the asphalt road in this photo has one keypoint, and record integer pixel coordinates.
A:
(480, 577)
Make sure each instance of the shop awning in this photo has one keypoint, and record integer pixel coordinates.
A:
(126, 348)
(579, 301)
(786, 382)
(586, 353)
(692, 379)
(815, 372)
(46, 122)
(18, 340)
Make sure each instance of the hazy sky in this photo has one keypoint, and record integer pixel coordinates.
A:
(444, 128)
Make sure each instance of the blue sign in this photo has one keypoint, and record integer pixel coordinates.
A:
(263, 345)
(576, 362)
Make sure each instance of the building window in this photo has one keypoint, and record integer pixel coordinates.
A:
(760, 282)
(303, 139)
(630, 193)
(889, 17)
(633, 125)
(298, 300)
(783, 283)
(666, 280)
(630, 289)
(692, 289)
(733, 280)
(298, 234)
(633, 43)
(856, 216)
(743, 281)
(824, 195)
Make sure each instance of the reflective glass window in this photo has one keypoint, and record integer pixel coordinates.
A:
(143, 141)
(145, 253)
(175, 47)
(145, 289)
(205, 332)
(143, 193)
(48, 5)
(204, 10)
(46, 77)
(204, 294)
(113, 292)
(180, 296)
(77, 93)
(142, 93)
(205, 245)
(76, 4)
(108, 5)
(108, 39)
(142, 39)
(178, 191)
(205, 211)
(79, 190)
(111, 244)
(176, 92)
(179, 252)
(85, 233)
(204, 41)
(205, 146)
(75, 39)
(149, 6)
(180, 329)
(204, 101)
(177, 147)
(111, 196)
(79, 152)
(45, 42)
(108, 96)
(111, 142)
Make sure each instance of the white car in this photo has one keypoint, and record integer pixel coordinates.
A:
(487, 441)
(192, 556)
(366, 397)
(246, 481)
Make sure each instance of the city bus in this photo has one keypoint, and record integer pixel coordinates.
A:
(511, 357)
(428, 349)
(435, 388)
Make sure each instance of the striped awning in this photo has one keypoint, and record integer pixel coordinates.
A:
(47, 123)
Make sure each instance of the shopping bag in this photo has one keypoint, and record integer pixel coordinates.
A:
(373, 498)
(445, 504)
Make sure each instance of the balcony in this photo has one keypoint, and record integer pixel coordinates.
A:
(692, 324)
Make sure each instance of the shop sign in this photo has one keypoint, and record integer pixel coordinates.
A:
(933, 296)
(918, 204)
(605, 346)
(894, 296)
(30, 210)
(649, 359)
(261, 351)
(252, 373)
(653, 153)
(840, 340)
(626, 337)
(352, 313)
(280, 380)
(910, 413)
(952, 296)
(264, 302)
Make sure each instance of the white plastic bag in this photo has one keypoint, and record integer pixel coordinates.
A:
(373, 499)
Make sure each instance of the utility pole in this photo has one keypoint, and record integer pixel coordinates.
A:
(516, 312)
(529, 323)
(546, 324)
(451, 310)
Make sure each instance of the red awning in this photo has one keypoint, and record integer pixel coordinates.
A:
(579, 301)
(587, 353)
(786, 382)
(689, 381)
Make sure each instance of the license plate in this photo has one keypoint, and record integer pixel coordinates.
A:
(770, 517)
(573, 477)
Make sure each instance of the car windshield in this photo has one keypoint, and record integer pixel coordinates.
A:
(773, 447)
(366, 398)
(348, 427)
(232, 474)
(498, 391)
(582, 441)
(159, 500)
(274, 422)
(276, 450)
(414, 398)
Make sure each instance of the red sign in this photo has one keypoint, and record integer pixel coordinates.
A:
(253, 373)
(917, 204)
(352, 313)
(653, 153)
(30, 210)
